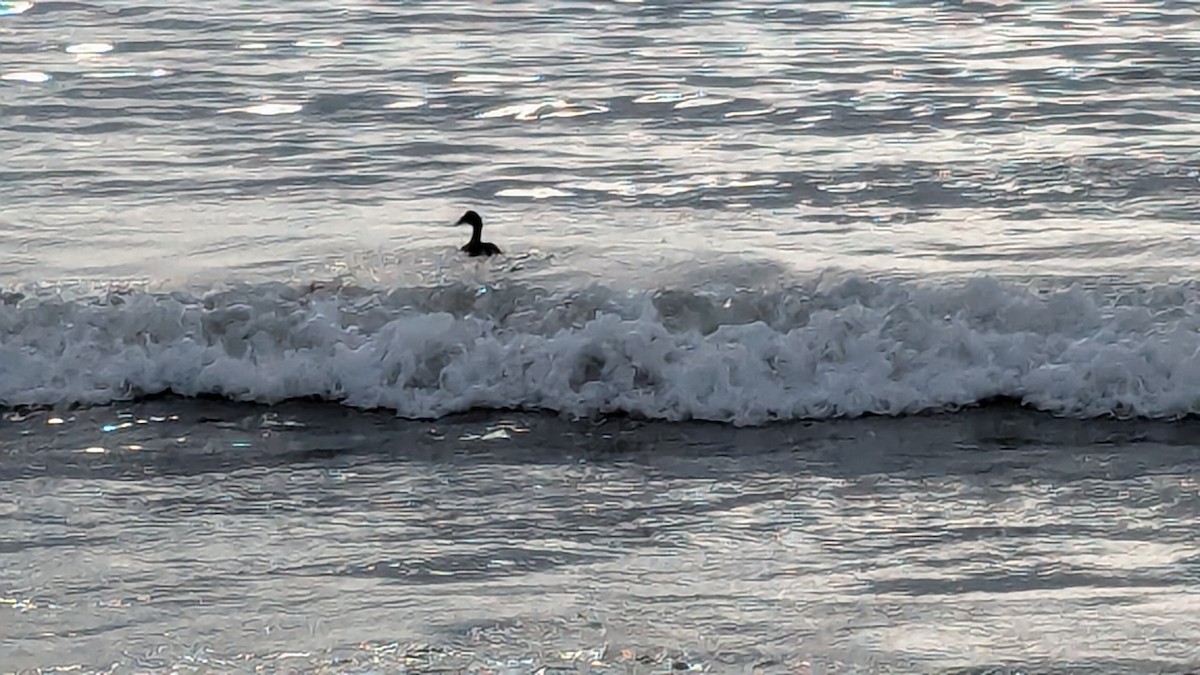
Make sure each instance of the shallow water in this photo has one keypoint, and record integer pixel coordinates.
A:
(210, 537)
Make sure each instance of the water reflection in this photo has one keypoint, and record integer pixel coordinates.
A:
(934, 543)
(632, 97)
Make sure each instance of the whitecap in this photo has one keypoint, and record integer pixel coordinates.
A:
(820, 349)
(12, 7)
(90, 48)
(702, 102)
(495, 78)
(30, 76)
(110, 74)
(267, 109)
(661, 97)
(519, 111)
(405, 104)
(749, 113)
(969, 116)
(318, 43)
(538, 110)
(844, 188)
(533, 193)
(577, 111)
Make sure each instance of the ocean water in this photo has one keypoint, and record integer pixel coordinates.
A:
(829, 336)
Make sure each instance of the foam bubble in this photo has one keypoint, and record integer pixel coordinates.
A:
(820, 349)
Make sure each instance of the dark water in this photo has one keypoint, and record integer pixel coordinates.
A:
(217, 538)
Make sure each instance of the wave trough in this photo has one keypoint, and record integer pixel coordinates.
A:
(820, 349)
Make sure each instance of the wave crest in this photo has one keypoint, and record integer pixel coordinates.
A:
(821, 349)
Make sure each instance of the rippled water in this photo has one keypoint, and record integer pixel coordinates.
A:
(172, 141)
(312, 540)
(671, 182)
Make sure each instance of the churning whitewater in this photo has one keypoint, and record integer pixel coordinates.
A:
(820, 349)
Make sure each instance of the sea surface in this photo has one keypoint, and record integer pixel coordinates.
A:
(828, 336)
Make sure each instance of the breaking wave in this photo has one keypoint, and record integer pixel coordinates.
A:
(819, 349)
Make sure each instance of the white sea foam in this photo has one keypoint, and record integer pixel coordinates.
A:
(819, 349)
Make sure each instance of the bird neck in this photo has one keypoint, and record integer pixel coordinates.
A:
(476, 233)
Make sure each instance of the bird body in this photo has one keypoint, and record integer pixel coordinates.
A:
(476, 246)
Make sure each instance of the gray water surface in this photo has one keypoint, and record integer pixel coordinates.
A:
(652, 144)
(224, 538)
(175, 143)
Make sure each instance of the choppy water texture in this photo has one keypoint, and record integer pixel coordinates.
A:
(742, 212)
(166, 141)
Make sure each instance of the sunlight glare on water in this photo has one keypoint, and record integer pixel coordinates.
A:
(869, 136)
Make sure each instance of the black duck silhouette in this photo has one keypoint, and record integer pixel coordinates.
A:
(476, 246)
